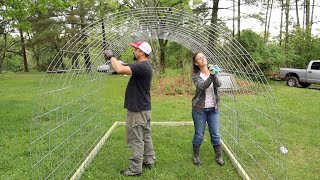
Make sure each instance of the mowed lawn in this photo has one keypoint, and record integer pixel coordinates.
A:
(299, 109)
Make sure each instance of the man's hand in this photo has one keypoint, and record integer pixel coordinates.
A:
(108, 54)
(214, 69)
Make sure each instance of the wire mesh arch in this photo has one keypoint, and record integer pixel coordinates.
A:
(66, 124)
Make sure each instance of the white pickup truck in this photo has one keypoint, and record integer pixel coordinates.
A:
(302, 77)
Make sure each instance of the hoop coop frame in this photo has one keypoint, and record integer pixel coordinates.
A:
(66, 125)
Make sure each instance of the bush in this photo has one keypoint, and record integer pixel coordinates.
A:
(12, 63)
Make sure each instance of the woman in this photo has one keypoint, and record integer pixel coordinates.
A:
(205, 106)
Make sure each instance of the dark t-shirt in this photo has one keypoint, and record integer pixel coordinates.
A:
(138, 89)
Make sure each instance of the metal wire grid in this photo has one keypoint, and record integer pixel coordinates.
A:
(67, 114)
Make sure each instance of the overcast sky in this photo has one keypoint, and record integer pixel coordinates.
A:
(255, 25)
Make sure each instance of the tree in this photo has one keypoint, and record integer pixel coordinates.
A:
(268, 57)
(297, 14)
(17, 13)
(287, 10)
(308, 26)
(179, 4)
(81, 14)
(213, 21)
(3, 35)
(239, 17)
(46, 36)
(23, 15)
(267, 20)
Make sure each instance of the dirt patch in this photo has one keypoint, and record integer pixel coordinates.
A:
(172, 86)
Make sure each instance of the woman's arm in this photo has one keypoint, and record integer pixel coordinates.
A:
(200, 83)
(215, 80)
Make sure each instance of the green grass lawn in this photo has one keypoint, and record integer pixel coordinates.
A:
(173, 151)
(299, 111)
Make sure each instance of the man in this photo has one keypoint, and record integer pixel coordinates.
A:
(138, 105)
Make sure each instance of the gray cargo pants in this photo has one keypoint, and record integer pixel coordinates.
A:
(138, 135)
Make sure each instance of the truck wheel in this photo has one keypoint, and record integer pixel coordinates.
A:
(292, 81)
(305, 85)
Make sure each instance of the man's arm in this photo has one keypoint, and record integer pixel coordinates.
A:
(119, 68)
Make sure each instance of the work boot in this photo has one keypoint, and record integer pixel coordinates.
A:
(148, 166)
(196, 152)
(127, 172)
(217, 150)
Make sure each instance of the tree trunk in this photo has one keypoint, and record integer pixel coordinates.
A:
(214, 22)
(297, 14)
(24, 54)
(60, 58)
(162, 45)
(233, 18)
(36, 56)
(87, 59)
(103, 36)
(307, 5)
(239, 17)
(268, 18)
(1, 60)
(75, 61)
(266, 22)
(271, 8)
(3, 55)
(281, 20)
(312, 12)
(287, 24)
(37, 62)
(308, 29)
(304, 16)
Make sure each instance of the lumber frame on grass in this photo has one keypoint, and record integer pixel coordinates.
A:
(96, 149)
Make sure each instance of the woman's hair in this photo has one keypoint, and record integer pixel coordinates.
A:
(195, 68)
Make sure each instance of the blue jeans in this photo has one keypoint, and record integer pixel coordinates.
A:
(210, 116)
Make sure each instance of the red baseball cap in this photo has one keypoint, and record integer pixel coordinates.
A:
(143, 46)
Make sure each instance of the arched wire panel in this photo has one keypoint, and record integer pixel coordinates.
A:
(66, 122)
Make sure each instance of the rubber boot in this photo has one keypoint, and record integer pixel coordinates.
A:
(217, 150)
(196, 152)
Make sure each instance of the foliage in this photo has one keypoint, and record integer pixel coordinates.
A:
(256, 47)
(160, 58)
(13, 63)
(300, 42)
(252, 42)
(315, 53)
(177, 56)
(269, 57)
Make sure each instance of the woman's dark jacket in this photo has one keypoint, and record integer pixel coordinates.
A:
(199, 98)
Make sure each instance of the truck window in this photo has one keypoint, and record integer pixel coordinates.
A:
(315, 66)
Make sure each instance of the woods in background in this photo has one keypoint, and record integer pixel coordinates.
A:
(31, 34)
